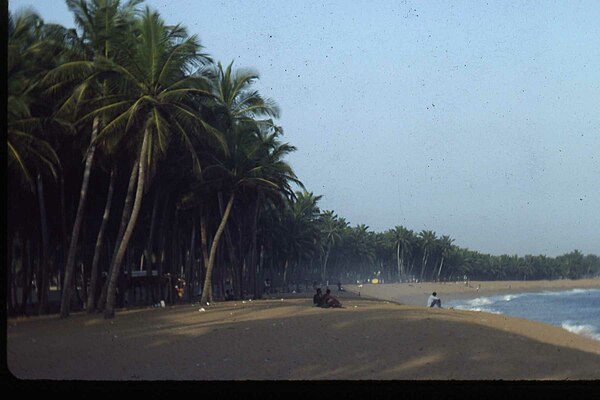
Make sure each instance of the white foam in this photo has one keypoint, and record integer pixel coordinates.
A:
(478, 309)
(480, 301)
(563, 292)
(583, 329)
(509, 297)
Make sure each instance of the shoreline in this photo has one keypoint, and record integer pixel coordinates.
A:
(417, 293)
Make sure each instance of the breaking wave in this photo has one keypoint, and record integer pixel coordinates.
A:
(584, 330)
(575, 310)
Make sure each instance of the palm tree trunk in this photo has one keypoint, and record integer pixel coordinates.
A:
(63, 214)
(213, 250)
(203, 238)
(162, 244)
(440, 270)
(423, 264)
(66, 295)
(27, 272)
(235, 260)
(191, 263)
(323, 272)
(43, 287)
(254, 251)
(284, 285)
(91, 300)
(124, 218)
(399, 263)
(109, 310)
(148, 250)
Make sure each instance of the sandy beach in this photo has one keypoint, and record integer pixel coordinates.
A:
(371, 338)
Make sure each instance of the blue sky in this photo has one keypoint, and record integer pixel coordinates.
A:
(477, 120)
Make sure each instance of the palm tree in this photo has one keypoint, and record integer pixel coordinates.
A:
(158, 105)
(250, 164)
(236, 110)
(402, 242)
(427, 242)
(105, 32)
(331, 231)
(31, 51)
(445, 246)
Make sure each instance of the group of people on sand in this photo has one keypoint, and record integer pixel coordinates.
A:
(326, 300)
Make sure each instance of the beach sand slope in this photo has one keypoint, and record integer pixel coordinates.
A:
(289, 339)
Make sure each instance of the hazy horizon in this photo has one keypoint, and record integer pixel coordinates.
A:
(475, 120)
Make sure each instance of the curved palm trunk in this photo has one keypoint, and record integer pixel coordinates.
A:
(124, 218)
(440, 270)
(213, 251)
(423, 264)
(323, 272)
(109, 310)
(65, 302)
(91, 304)
(204, 244)
(148, 251)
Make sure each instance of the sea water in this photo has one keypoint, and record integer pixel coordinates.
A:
(576, 310)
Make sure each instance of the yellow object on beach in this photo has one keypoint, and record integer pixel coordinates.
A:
(375, 280)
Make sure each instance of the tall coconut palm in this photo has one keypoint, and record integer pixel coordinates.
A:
(105, 28)
(158, 104)
(445, 246)
(254, 148)
(402, 242)
(427, 242)
(251, 164)
(331, 231)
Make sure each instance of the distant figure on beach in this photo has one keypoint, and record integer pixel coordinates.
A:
(330, 301)
(318, 298)
(340, 288)
(434, 300)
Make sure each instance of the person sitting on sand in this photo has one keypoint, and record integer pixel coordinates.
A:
(318, 298)
(434, 300)
(330, 301)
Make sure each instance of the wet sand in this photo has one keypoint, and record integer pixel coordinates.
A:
(289, 339)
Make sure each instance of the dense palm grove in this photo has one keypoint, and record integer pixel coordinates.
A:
(135, 157)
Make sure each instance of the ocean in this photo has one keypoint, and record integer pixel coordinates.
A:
(576, 310)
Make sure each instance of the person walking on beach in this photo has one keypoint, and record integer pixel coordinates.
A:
(434, 300)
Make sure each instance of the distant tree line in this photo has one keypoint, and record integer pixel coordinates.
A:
(130, 149)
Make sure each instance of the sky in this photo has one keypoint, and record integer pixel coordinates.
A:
(473, 119)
